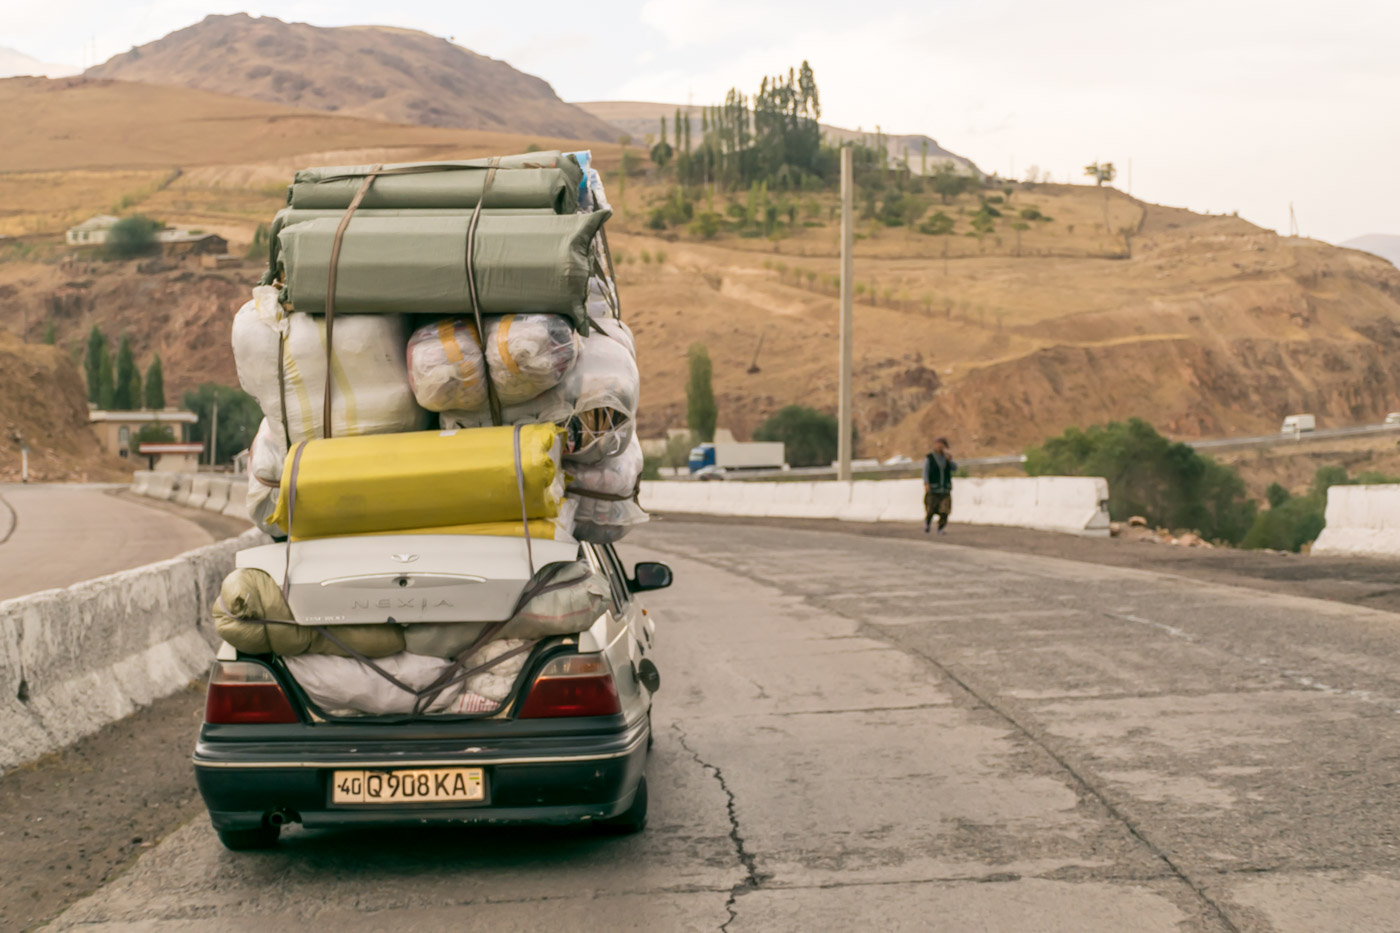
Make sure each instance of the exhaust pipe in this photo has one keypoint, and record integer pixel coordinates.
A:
(280, 818)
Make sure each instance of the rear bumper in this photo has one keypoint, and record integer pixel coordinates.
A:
(573, 780)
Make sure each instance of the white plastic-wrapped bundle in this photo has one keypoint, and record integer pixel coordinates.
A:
(606, 495)
(444, 366)
(528, 354)
(596, 402)
(267, 453)
(370, 393)
(349, 686)
(265, 457)
(261, 502)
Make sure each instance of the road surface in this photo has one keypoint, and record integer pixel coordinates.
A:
(858, 733)
(63, 533)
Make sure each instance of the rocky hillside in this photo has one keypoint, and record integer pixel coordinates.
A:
(379, 72)
(42, 402)
(640, 118)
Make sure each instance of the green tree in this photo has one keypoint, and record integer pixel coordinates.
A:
(155, 385)
(50, 333)
(156, 433)
(940, 224)
(948, 182)
(809, 437)
(126, 368)
(1168, 483)
(661, 152)
(701, 411)
(132, 236)
(259, 247)
(239, 415)
(106, 386)
(92, 362)
(1101, 173)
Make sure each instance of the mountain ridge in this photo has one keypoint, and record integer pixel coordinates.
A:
(377, 72)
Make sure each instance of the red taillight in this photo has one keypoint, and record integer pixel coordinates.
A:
(572, 685)
(243, 693)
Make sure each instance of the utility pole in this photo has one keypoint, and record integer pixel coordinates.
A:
(214, 433)
(843, 444)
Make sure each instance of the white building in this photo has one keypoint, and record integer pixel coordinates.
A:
(93, 231)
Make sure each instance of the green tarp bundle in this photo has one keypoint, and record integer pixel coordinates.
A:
(418, 264)
(291, 215)
(534, 180)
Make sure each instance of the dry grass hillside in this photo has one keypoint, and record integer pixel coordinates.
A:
(1098, 306)
(77, 146)
(1204, 325)
(43, 402)
(376, 72)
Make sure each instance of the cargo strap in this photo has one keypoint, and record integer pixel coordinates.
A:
(331, 276)
(291, 512)
(282, 339)
(492, 399)
(606, 496)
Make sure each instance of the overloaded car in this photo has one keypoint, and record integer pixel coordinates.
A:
(566, 744)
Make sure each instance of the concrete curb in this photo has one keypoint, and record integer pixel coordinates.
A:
(73, 660)
(1070, 504)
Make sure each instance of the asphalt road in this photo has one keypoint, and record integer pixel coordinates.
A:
(857, 733)
(63, 533)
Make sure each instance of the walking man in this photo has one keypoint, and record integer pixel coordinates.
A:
(938, 485)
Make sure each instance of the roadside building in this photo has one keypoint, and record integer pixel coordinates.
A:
(191, 243)
(172, 458)
(117, 430)
(91, 232)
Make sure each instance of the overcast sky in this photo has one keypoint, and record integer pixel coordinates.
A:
(1218, 105)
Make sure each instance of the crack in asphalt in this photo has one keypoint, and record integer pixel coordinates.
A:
(14, 520)
(1039, 741)
(752, 879)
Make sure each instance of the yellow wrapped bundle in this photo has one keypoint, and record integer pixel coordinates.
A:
(430, 479)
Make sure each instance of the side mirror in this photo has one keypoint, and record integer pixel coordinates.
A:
(650, 575)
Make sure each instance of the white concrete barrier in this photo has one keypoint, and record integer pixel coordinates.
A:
(184, 489)
(1362, 521)
(217, 500)
(237, 498)
(161, 486)
(1072, 504)
(75, 659)
(199, 491)
(141, 482)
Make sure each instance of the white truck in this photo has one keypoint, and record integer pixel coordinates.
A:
(752, 455)
(1295, 425)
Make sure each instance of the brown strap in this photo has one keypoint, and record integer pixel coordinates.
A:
(524, 512)
(330, 288)
(491, 397)
(605, 496)
(282, 339)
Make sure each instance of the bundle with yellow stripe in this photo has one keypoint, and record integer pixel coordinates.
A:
(526, 355)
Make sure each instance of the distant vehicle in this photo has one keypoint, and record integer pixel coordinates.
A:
(754, 455)
(1393, 418)
(1295, 425)
(898, 459)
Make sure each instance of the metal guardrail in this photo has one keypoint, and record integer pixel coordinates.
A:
(897, 470)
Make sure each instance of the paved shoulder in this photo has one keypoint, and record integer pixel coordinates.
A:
(66, 533)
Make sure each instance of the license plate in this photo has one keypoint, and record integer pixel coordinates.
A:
(424, 785)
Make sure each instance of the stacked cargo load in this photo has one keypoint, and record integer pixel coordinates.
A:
(437, 349)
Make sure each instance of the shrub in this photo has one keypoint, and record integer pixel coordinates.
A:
(646, 257)
(809, 437)
(706, 225)
(132, 236)
(155, 434)
(1169, 484)
(940, 224)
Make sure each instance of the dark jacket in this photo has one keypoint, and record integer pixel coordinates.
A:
(939, 479)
